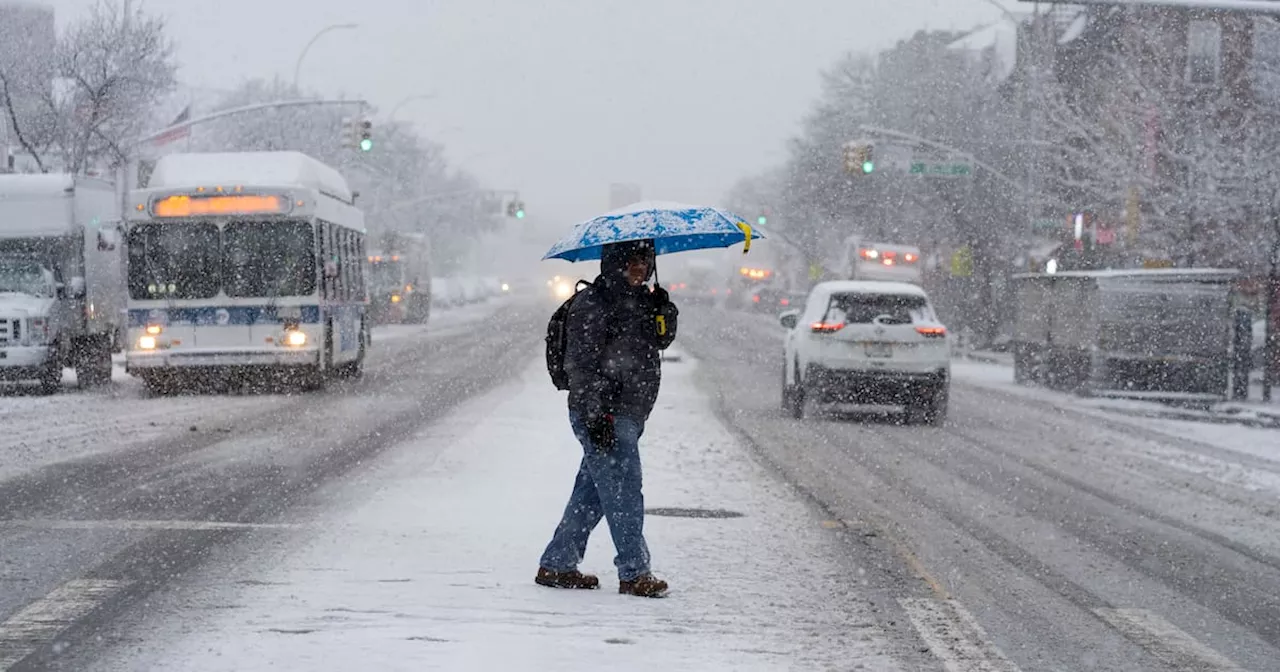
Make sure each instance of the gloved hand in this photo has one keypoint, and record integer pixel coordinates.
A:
(661, 296)
(600, 431)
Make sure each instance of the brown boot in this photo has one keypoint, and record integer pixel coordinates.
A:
(645, 585)
(572, 579)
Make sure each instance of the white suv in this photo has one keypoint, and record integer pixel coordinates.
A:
(867, 342)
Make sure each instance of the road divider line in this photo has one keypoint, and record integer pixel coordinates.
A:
(954, 636)
(1166, 641)
(39, 623)
(162, 525)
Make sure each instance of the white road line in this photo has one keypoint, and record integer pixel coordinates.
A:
(180, 525)
(1165, 641)
(954, 636)
(42, 621)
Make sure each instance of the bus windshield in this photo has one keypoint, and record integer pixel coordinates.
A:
(174, 260)
(268, 259)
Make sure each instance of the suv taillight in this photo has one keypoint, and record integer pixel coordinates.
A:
(826, 327)
(932, 332)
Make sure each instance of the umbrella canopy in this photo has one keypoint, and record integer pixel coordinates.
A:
(673, 227)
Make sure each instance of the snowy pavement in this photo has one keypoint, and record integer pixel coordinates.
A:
(1229, 433)
(426, 562)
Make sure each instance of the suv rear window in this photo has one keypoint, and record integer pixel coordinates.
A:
(865, 308)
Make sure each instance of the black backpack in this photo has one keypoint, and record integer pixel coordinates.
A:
(558, 338)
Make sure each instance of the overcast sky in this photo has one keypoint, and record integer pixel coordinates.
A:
(558, 98)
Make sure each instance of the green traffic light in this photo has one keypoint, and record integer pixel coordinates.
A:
(760, 221)
(520, 214)
(868, 166)
(366, 144)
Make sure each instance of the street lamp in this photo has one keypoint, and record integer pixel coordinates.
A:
(297, 68)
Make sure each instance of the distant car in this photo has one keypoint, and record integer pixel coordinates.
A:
(771, 299)
(867, 342)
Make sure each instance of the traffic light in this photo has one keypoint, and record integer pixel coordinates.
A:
(762, 220)
(515, 209)
(366, 135)
(868, 159)
(859, 158)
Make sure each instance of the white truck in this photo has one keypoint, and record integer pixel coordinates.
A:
(62, 290)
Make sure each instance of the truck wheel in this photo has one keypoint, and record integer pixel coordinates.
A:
(51, 378)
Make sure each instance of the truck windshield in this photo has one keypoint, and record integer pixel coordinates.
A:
(384, 275)
(24, 277)
(269, 259)
(174, 260)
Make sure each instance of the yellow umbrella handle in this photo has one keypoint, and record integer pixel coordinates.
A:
(746, 231)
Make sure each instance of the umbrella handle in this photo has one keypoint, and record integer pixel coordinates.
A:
(746, 231)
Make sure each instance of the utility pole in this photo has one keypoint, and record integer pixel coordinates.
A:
(1271, 344)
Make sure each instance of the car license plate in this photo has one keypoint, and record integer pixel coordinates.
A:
(878, 349)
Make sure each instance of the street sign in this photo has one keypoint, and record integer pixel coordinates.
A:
(940, 169)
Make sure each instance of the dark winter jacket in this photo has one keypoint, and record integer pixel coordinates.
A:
(613, 348)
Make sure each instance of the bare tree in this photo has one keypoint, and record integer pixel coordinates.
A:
(116, 65)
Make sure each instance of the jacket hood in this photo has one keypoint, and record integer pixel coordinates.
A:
(614, 258)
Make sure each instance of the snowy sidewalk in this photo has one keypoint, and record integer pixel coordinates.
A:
(427, 561)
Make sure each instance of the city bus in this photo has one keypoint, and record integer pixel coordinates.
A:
(244, 264)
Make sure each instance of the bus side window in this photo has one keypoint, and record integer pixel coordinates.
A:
(363, 291)
(344, 250)
(324, 256)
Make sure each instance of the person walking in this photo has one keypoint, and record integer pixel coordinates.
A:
(615, 331)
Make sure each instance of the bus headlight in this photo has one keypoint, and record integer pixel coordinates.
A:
(154, 329)
(295, 338)
(147, 343)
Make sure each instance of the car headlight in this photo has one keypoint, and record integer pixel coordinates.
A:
(563, 290)
(147, 343)
(395, 298)
(295, 338)
(154, 329)
(506, 287)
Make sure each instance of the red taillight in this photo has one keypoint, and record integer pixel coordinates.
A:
(785, 302)
(826, 327)
(755, 299)
(932, 332)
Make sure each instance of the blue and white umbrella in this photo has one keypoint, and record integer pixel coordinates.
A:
(673, 227)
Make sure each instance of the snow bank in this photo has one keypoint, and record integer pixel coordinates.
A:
(1152, 416)
(427, 560)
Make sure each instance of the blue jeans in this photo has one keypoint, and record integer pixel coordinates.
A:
(608, 485)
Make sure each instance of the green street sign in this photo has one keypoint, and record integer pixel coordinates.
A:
(940, 169)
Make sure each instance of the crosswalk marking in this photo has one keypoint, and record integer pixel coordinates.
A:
(40, 622)
(179, 525)
(1166, 641)
(954, 636)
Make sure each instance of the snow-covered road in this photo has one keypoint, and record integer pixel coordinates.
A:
(1077, 538)
(426, 562)
(394, 523)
